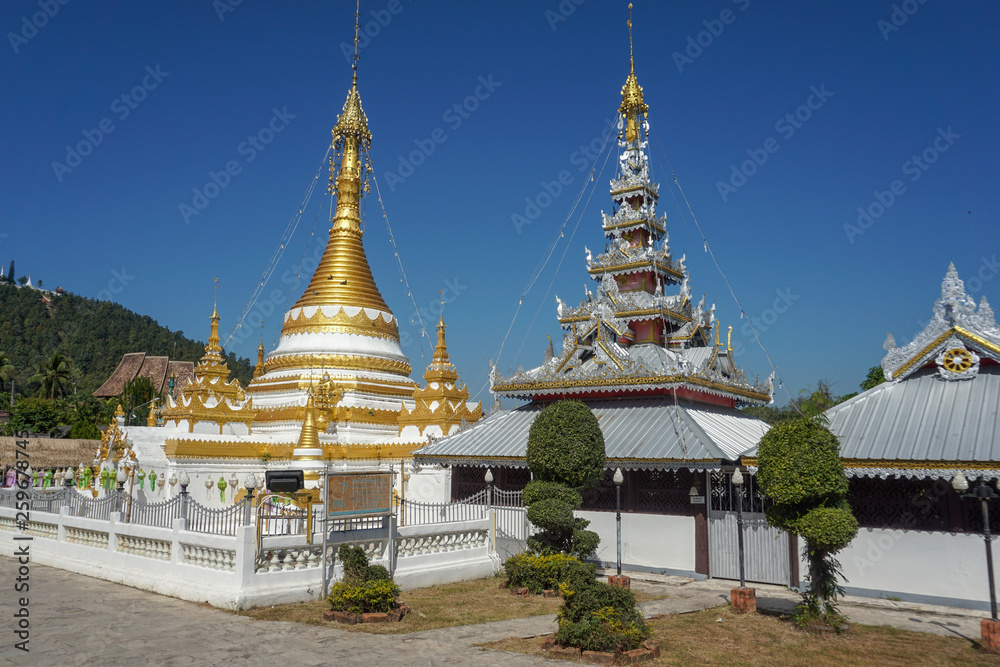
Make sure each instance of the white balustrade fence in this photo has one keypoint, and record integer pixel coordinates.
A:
(413, 513)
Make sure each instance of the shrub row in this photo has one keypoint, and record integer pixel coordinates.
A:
(537, 573)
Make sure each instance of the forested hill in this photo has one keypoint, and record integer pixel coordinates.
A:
(94, 334)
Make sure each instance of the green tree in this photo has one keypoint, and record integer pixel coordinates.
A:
(6, 368)
(22, 281)
(34, 415)
(55, 376)
(135, 400)
(566, 455)
(875, 378)
(801, 472)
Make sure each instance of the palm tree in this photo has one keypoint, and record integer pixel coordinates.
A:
(6, 368)
(55, 375)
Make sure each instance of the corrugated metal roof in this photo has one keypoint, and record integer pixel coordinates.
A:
(644, 430)
(923, 418)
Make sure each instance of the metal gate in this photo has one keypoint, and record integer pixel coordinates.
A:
(765, 548)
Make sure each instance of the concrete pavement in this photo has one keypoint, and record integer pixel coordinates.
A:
(75, 619)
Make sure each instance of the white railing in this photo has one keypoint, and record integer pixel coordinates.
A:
(413, 513)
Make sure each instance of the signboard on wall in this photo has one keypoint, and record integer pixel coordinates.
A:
(359, 494)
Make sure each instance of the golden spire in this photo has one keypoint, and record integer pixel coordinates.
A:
(441, 351)
(309, 435)
(259, 368)
(632, 104)
(213, 351)
(343, 277)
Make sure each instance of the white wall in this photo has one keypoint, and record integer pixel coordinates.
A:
(947, 568)
(221, 569)
(650, 541)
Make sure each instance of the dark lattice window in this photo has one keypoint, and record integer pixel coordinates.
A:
(643, 491)
(913, 504)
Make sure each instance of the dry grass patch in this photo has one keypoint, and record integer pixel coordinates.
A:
(464, 603)
(759, 639)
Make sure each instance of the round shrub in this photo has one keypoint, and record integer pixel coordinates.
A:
(598, 617)
(537, 490)
(565, 444)
(824, 528)
(551, 514)
(799, 461)
(585, 542)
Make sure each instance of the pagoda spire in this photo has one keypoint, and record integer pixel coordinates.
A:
(343, 277)
(441, 350)
(213, 351)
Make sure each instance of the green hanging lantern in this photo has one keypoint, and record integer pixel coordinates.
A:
(222, 488)
(152, 480)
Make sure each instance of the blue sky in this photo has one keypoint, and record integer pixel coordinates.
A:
(886, 82)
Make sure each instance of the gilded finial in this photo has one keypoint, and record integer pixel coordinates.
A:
(632, 103)
(729, 339)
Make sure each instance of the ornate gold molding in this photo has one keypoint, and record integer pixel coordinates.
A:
(336, 361)
(359, 324)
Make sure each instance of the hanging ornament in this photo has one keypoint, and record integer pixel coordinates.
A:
(706, 245)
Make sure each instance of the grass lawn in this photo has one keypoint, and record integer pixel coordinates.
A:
(760, 639)
(465, 603)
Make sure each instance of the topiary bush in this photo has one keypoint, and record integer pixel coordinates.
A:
(365, 588)
(537, 490)
(599, 617)
(365, 597)
(565, 445)
(799, 468)
(537, 573)
(565, 454)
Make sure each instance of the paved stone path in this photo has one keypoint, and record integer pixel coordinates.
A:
(75, 619)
